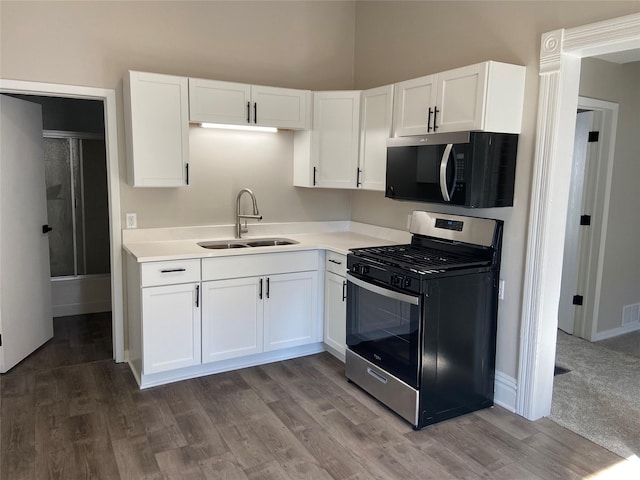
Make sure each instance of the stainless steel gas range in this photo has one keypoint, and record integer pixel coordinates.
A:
(421, 318)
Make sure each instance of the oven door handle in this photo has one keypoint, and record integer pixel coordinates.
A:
(385, 292)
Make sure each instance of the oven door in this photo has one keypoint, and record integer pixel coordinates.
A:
(384, 327)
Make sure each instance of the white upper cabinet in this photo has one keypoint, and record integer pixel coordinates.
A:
(157, 129)
(219, 102)
(413, 99)
(486, 96)
(281, 107)
(214, 101)
(376, 118)
(328, 155)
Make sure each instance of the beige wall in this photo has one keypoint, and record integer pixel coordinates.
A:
(306, 45)
(621, 275)
(223, 162)
(401, 40)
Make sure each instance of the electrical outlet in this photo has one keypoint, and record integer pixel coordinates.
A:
(501, 290)
(132, 220)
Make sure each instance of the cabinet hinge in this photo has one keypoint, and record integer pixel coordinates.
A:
(577, 299)
(585, 219)
(594, 137)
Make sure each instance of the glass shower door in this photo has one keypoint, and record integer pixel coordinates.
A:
(77, 205)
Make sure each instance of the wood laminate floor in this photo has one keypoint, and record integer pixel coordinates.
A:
(297, 419)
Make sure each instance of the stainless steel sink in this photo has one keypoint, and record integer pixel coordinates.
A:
(270, 242)
(257, 242)
(222, 244)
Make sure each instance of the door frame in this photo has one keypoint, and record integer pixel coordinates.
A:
(561, 53)
(108, 97)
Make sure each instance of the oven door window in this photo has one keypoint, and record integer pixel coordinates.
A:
(383, 326)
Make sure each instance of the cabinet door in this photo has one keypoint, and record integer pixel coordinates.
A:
(280, 107)
(461, 98)
(335, 137)
(157, 129)
(335, 314)
(231, 318)
(290, 310)
(170, 327)
(412, 101)
(375, 128)
(212, 101)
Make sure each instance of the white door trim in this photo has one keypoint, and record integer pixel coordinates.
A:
(113, 183)
(561, 53)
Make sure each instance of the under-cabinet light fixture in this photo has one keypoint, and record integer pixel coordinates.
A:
(251, 128)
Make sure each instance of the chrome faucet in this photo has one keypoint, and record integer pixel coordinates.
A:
(239, 229)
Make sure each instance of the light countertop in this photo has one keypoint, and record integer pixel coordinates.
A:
(358, 236)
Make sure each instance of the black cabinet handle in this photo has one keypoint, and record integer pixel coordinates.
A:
(435, 116)
(197, 296)
(429, 120)
(358, 172)
(344, 290)
(248, 112)
(335, 261)
(187, 168)
(314, 175)
(46, 228)
(255, 112)
(172, 270)
(267, 287)
(260, 292)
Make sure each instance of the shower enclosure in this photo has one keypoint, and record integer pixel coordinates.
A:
(78, 212)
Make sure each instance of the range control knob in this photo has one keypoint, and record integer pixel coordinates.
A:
(360, 269)
(400, 281)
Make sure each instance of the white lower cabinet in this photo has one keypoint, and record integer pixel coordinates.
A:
(260, 312)
(171, 327)
(335, 314)
(335, 304)
(193, 317)
(290, 310)
(231, 319)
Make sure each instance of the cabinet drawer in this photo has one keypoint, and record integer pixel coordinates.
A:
(238, 266)
(336, 263)
(170, 272)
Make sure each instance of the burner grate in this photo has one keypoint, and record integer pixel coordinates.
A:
(420, 258)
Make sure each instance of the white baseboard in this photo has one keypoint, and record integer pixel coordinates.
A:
(505, 391)
(80, 308)
(80, 295)
(614, 332)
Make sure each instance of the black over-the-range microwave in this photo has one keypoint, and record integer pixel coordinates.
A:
(470, 169)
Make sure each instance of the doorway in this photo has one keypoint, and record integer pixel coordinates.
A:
(560, 57)
(107, 98)
(587, 217)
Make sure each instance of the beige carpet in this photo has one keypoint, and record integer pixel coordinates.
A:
(600, 397)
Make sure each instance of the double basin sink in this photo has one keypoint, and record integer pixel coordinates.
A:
(249, 243)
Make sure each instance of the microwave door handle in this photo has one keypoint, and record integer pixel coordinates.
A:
(385, 292)
(444, 163)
